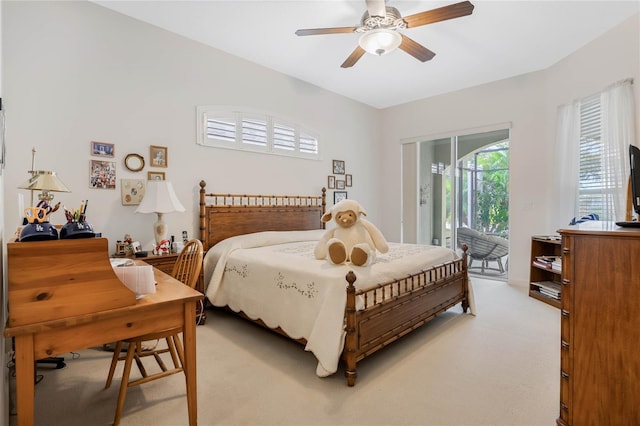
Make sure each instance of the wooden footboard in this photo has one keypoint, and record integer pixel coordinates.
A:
(393, 309)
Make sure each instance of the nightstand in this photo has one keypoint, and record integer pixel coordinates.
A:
(165, 262)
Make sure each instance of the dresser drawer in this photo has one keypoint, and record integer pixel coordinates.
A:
(565, 398)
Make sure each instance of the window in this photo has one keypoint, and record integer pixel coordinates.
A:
(591, 160)
(229, 128)
(593, 197)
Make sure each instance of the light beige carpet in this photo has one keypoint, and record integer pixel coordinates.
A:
(498, 368)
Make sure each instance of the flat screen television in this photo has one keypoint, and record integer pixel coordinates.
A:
(634, 177)
(634, 157)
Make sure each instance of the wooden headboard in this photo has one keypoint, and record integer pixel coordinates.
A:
(227, 215)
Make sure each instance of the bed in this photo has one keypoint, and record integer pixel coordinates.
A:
(259, 264)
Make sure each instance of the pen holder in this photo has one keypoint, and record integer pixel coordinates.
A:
(38, 232)
(77, 229)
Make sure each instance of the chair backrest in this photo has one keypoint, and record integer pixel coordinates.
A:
(482, 246)
(189, 263)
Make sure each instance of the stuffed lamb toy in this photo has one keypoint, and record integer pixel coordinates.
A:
(353, 240)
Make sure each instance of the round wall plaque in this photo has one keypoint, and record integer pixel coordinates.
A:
(134, 162)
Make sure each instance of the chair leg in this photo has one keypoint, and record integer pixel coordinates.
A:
(114, 362)
(125, 382)
(172, 350)
(500, 265)
(136, 358)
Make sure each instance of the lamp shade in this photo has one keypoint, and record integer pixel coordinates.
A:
(380, 41)
(42, 180)
(159, 197)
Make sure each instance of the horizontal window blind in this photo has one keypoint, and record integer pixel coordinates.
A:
(592, 196)
(226, 128)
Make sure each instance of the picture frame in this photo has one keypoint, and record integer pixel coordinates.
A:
(155, 176)
(339, 196)
(121, 249)
(158, 156)
(103, 149)
(338, 167)
(340, 184)
(348, 179)
(132, 191)
(331, 182)
(102, 174)
(136, 246)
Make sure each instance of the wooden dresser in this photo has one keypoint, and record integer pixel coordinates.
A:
(600, 325)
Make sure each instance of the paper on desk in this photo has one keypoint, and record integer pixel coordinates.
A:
(138, 279)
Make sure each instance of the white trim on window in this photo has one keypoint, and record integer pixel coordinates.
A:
(231, 128)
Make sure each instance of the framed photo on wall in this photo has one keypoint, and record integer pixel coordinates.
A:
(348, 180)
(338, 167)
(339, 196)
(102, 149)
(158, 156)
(340, 184)
(331, 182)
(155, 176)
(102, 174)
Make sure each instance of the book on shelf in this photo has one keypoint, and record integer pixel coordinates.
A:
(547, 237)
(550, 294)
(542, 264)
(549, 288)
(548, 262)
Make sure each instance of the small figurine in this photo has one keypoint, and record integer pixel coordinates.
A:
(44, 205)
(164, 247)
(128, 244)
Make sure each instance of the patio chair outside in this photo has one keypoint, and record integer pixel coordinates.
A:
(484, 248)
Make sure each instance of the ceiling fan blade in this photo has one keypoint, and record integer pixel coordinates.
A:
(416, 50)
(317, 31)
(376, 8)
(441, 14)
(353, 58)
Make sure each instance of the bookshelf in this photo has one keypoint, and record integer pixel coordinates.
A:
(545, 274)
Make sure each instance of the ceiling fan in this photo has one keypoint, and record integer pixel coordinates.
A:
(379, 28)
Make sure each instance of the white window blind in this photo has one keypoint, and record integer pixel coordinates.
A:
(284, 137)
(593, 195)
(229, 128)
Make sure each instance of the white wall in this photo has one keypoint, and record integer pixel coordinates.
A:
(4, 377)
(76, 72)
(529, 103)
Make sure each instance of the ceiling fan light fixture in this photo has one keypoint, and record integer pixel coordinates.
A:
(380, 41)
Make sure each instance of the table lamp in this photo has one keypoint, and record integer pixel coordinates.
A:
(45, 181)
(159, 197)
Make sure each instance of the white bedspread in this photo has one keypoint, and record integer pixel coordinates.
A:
(273, 276)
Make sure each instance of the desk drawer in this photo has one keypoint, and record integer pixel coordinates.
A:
(60, 340)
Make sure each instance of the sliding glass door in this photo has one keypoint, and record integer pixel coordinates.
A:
(453, 182)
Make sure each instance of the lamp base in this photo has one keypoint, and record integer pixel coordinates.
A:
(160, 230)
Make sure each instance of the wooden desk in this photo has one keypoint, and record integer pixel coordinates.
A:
(173, 305)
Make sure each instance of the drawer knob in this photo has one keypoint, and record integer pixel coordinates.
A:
(564, 375)
(565, 313)
(564, 345)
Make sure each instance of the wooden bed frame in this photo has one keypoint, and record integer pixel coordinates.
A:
(418, 298)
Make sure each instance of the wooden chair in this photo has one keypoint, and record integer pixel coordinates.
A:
(187, 270)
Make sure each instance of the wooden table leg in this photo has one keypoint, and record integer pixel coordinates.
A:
(189, 336)
(25, 378)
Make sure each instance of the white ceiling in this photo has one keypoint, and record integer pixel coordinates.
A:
(500, 39)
